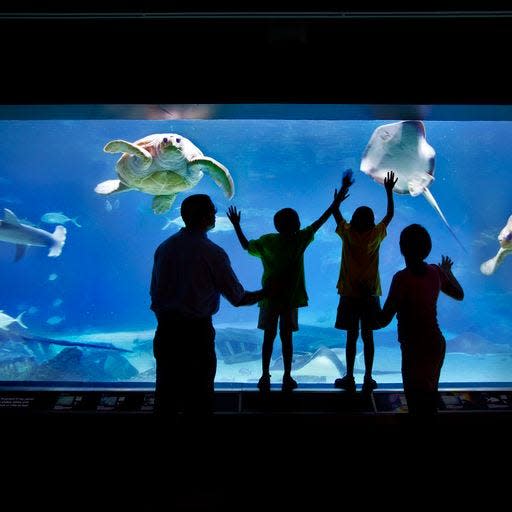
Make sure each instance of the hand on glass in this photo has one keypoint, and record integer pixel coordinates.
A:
(390, 181)
(347, 180)
(340, 195)
(446, 264)
(234, 215)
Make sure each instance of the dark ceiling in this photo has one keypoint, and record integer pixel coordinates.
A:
(126, 57)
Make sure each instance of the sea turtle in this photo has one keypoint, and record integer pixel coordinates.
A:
(162, 164)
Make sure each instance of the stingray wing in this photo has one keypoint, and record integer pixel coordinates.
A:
(402, 148)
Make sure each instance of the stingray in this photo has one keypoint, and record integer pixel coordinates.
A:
(403, 148)
(301, 359)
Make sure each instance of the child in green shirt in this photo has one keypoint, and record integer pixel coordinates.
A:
(282, 255)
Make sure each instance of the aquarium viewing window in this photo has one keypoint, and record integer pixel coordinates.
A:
(75, 306)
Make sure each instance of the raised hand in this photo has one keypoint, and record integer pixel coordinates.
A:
(446, 264)
(234, 215)
(348, 179)
(390, 181)
(340, 195)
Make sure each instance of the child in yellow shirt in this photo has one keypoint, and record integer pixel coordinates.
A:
(359, 281)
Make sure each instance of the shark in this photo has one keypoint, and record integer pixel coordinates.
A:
(23, 235)
(402, 147)
(505, 240)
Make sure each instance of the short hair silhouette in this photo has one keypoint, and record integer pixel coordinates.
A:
(195, 207)
(287, 221)
(363, 219)
(415, 242)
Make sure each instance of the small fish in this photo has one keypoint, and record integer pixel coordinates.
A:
(111, 205)
(9, 200)
(52, 277)
(222, 223)
(169, 222)
(57, 302)
(55, 320)
(59, 218)
(6, 320)
(32, 310)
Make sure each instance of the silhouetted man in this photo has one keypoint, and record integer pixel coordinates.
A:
(190, 273)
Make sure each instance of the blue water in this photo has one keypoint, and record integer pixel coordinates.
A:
(100, 283)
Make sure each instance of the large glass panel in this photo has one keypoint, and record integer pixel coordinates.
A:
(79, 311)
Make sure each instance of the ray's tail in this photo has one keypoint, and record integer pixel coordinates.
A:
(430, 198)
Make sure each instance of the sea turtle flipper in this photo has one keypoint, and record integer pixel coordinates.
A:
(162, 203)
(110, 187)
(219, 174)
(122, 146)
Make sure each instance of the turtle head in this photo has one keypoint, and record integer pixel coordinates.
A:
(170, 148)
(173, 151)
(170, 142)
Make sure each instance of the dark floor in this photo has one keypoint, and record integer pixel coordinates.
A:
(256, 461)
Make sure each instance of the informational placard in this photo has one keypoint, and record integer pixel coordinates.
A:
(497, 400)
(148, 402)
(390, 402)
(108, 402)
(18, 402)
(68, 402)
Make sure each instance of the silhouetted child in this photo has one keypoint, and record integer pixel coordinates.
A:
(359, 281)
(282, 255)
(413, 297)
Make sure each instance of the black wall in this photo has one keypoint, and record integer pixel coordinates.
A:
(177, 60)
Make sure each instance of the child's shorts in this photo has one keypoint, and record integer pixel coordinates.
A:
(358, 311)
(269, 317)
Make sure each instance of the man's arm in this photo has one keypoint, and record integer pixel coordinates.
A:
(234, 216)
(229, 286)
(389, 183)
(451, 286)
(250, 298)
(334, 208)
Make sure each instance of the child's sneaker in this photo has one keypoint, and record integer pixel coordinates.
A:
(347, 383)
(289, 383)
(264, 383)
(369, 385)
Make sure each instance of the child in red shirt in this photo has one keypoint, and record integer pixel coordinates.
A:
(413, 298)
